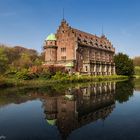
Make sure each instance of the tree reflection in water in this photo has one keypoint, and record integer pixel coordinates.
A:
(124, 90)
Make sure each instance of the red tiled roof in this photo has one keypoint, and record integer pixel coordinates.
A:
(92, 40)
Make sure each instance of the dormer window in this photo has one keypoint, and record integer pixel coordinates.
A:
(79, 39)
(96, 44)
(85, 41)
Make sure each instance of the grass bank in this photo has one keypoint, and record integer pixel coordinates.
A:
(13, 82)
(137, 72)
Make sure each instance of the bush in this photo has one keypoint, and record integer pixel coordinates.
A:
(59, 76)
(45, 74)
(26, 75)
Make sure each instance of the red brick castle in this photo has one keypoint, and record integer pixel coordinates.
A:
(79, 51)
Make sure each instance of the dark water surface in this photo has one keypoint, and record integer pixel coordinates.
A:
(98, 111)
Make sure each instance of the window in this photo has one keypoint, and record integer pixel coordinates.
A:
(96, 44)
(63, 49)
(63, 57)
(79, 39)
(85, 40)
(86, 68)
(91, 43)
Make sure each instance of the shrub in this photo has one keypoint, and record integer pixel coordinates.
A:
(45, 74)
(59, 75)
(54, 69)
(24, 74)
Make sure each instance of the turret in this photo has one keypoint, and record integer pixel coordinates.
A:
(50, 47)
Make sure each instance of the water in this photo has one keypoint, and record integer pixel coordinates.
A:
(100, 111)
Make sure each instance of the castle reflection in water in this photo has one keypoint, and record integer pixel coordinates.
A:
(80, 106)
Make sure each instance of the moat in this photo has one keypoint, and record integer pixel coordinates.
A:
(99, 111)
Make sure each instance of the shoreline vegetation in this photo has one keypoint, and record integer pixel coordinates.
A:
(40, 82)
(137, 72)
(22, 67)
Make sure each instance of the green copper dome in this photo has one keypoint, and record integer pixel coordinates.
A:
(51, 37)
(51, 122)
(70, 97)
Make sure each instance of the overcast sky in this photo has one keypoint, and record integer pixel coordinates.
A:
(28, 22)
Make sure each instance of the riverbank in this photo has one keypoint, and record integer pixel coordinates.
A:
(13, 82)
(137, 72)
(136, 76)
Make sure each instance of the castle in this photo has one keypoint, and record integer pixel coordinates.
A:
(79, 51)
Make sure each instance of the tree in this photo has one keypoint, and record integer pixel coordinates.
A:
(14, 59)
(136, 61)
(3, 61)
(24, 61)
(124, 65)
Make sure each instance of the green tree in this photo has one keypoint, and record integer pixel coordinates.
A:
(3, 61)
(136, 61)
(37, 62)
(14, 59)
(25, 61)
(124, 65)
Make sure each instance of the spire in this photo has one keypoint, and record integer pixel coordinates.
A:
(63, 18)
(103, 35)
(102, 30)
(64, 22)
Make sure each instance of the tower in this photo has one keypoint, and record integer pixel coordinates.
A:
(50, 46)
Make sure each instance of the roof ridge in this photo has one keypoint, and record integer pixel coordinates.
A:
(77, 30)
